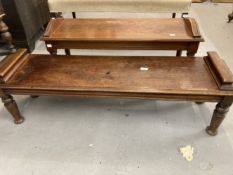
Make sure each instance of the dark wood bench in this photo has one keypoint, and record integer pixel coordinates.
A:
(200, 79)
(123, 34)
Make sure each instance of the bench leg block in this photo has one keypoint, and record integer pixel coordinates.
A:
(218, 116)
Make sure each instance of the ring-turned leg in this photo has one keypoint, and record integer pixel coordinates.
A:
(218, 116)
(12, 107)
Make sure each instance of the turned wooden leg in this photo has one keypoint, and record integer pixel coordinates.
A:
(67, 51)
(179, 53)
(12, 107)
(218, 116)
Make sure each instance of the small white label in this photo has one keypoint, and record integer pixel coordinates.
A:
(49, 45)
(144, 68)
(172, 34)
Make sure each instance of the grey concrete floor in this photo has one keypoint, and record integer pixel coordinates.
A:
(91, 136)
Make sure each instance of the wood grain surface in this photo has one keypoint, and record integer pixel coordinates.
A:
(169, 75)
(178, 29)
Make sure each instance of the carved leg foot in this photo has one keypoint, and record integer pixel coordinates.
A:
(210, 131)
(218, 116)
(12, 107)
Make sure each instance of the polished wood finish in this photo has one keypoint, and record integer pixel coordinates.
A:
(165, 78)
(123, 34)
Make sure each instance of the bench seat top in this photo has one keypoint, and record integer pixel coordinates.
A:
(112, 76)
(184, 29)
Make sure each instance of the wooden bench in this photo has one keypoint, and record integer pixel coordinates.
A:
(123, 34)
(200, 79)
